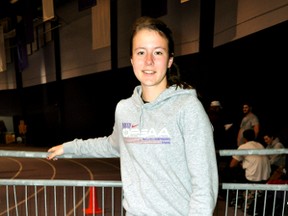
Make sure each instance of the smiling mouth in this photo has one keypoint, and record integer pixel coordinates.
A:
(148, 72)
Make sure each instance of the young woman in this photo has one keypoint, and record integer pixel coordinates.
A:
(162, 135)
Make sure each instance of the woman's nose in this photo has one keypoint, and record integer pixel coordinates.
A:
(149, 59)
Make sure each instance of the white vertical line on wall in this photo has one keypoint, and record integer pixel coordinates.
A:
(48, 9)
(2, 50)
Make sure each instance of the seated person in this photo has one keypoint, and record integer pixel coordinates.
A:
(257, 167)
(277, 161)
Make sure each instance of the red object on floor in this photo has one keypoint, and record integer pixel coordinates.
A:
(93, 207)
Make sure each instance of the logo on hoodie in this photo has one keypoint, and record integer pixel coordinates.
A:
(132, 134)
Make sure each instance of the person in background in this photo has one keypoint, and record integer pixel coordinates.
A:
(221, 138)
(249, 121)
(216, 117)
(22, 128)
(222, 124)
(257, 167)
(277, 161)
(162, 134)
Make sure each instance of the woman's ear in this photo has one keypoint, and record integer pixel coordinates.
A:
(170, 62)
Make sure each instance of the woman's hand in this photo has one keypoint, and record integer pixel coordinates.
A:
(55, 151)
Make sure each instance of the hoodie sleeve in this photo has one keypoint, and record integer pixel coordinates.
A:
(95, 147)
(201, 157)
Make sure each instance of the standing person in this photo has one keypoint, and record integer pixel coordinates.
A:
(162, 135)
(221, 124)
(216, 117)
(22, 128)
(249, 121)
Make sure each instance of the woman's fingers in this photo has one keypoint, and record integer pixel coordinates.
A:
(55, 151)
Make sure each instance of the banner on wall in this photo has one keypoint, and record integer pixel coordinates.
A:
(48, 9)
(22, 55)
(101, 24)
(2, 51)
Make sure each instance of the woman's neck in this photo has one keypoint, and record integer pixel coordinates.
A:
(150, 93)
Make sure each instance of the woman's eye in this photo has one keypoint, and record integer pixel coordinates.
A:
(140, 53)
(158, 53)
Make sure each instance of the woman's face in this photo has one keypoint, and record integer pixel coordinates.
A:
(150, 58)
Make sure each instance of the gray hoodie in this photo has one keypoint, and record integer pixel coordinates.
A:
(167, 154)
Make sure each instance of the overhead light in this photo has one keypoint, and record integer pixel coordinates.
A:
(182, 1)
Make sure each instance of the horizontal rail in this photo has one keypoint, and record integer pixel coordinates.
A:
(230, 152)
(35, 154)
(244, 186)
(61, 182)
(224, 152)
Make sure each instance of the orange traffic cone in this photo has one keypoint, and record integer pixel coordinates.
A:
(93, 207)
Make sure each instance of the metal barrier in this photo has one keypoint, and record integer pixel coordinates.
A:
(60, 197)
(41, 197)
(256, 199)
(90, 197)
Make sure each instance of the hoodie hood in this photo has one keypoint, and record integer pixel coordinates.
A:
(172, 91)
